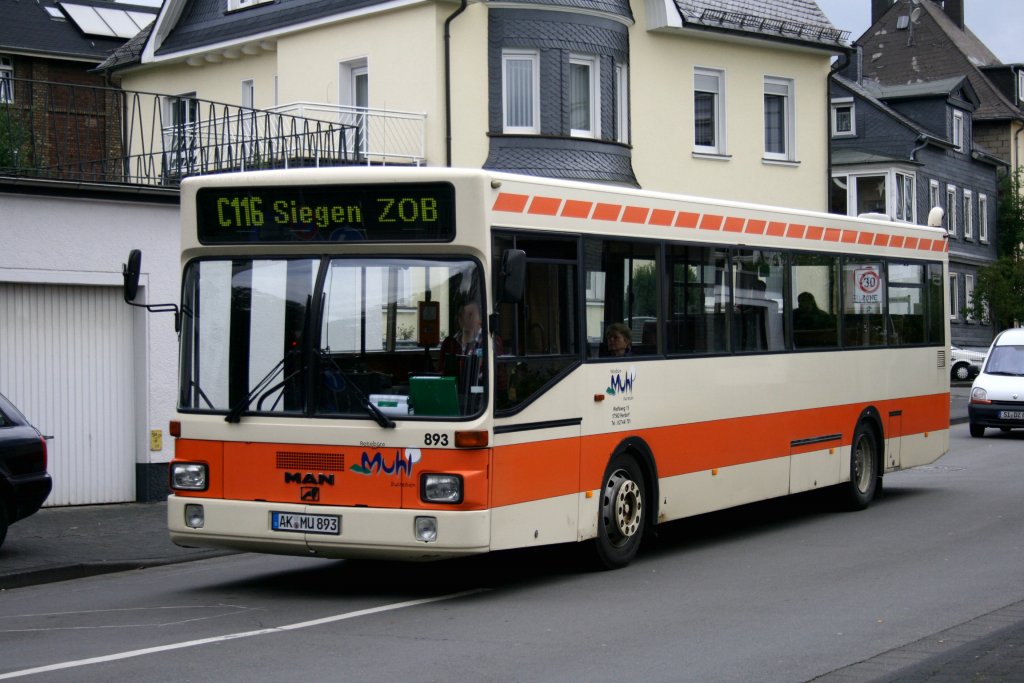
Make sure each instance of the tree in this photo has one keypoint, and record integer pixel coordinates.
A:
(999, 290)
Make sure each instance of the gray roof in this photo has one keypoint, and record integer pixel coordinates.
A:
(792, 20)
(29, 28)
(936, 50)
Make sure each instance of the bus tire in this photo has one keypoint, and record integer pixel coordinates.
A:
(621, 518)
(864, 473)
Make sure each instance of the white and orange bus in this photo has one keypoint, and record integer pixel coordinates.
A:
(412, 363)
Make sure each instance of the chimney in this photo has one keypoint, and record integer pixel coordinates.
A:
(954, 9)
(878, 8)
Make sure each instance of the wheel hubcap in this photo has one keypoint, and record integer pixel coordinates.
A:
(623, 507)
(862, 464)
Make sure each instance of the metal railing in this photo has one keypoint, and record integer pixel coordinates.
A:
(59, 131)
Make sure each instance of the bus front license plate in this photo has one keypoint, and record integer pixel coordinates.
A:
(1011, 414)
(307, 524)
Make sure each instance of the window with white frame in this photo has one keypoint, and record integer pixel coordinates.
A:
(622, 103)
(6, 79)
(951, 210)
(968, 214)
(954, 297)
(1020, 85)
(983, 218)
(247, 114)
(968, 295)
(708, 111)
(906, 197)
(843, 121)
(934, 195)
(958, 130)
(520, 91)
(778, 119)
(242, 4)
(354, 97)
(584, 96)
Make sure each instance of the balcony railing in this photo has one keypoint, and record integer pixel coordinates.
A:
(92, 134)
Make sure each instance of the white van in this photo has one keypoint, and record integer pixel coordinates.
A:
(997, 395)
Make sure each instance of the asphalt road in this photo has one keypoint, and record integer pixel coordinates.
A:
(788, 590)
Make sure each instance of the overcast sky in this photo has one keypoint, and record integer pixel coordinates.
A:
(999, 23)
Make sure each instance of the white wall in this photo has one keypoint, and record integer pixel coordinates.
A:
(76, 241)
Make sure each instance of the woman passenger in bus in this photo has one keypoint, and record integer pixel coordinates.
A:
(618, 340)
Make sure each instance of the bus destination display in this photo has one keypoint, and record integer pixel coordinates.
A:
(415, 212)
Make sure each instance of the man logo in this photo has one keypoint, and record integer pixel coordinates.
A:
(309, 494)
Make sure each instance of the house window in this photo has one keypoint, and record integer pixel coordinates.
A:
(969, 295)
(247, 114)
(954, 297)
(839, 197)
(870, 194)
(622, 103)
(778, 119)
(242, 4)
(958, 130)
(968, 217)
(905, 197)
(584, 96)
(1020, 85)
(983, 218)
(951, 210)
(934, 197)
(354, 98)
(520, 94)
(843, 123)
(6, 79)
(181, 132)
(708, 112)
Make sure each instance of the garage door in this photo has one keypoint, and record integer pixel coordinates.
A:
(66, 362)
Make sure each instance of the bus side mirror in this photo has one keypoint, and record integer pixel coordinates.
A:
(131, 271)
(513, 276)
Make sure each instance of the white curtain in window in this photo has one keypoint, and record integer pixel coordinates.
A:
(519, 93)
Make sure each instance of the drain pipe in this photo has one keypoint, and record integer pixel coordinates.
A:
(841, 63)
(448, 82)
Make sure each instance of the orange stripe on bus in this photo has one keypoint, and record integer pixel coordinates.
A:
(734, 224)
(511, 203)
(796, 231)
(635, 214)
(866, 238)
(881, 240)
(607, 212)
(850, 236)
(685, 219)
(814, 232)
(756, 227)
(574, 208)
(711, 221)
(911, 243)
(833, 234)
(661, 217)
(897, 241)
(776, 229)
(545, 206)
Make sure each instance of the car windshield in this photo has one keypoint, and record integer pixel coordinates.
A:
(1006, 360)
(344, 337)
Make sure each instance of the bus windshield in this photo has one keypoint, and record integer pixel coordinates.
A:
(371, 338)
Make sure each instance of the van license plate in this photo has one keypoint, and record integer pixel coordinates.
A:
(307, 524)
(1011, 414)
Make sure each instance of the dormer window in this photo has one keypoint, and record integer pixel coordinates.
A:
(1020, 85)
(843, 123)
(958, 130)
(244, 4)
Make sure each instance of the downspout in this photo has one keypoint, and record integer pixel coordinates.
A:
(922, 142)
(448, 82)
(841, 63)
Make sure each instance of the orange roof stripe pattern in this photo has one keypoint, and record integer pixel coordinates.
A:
(508, 202)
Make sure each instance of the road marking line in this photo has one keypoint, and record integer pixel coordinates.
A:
(234, 636)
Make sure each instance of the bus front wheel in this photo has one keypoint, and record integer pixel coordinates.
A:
(621, 520)
(864, 473)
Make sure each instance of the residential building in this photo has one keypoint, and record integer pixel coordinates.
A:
(901, 150)
(913, 50)
(660, 94)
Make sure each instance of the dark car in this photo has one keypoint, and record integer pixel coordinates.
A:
(24, 482)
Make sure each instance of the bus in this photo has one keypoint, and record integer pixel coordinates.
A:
(413, 363)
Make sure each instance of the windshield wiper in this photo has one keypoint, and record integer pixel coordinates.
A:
(235, 414)
(375, 412)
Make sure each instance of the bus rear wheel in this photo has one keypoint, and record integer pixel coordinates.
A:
(864, 473)
(621, 519)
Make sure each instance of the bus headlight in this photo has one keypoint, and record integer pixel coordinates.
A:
(188, 476)
(441, 488)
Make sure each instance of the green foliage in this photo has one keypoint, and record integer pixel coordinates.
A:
(15, 151)
(645, 289)
(999, 290)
